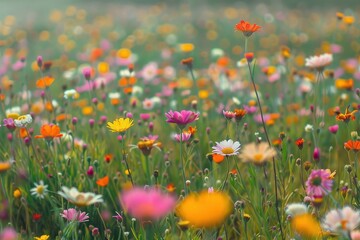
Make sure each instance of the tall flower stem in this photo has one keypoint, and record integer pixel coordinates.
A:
(125, 159)
(181, 161)
(273, 159)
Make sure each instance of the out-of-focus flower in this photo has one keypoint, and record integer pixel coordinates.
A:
(347, 116)
(103, 182)
(257, 153)
(319, 62)
(45, 82)
(80, 199)
(319, 183)
(8, 233)
(334, 128)
(71, 94)
(40, 189)
(352, 145)
(120, 125)
(49, 132)
(246, 28)
(346, 84)
(295, 209)
(9, 124)
(42, 237)
(205, 209)
(342, 220)
(23, 121)
(4, 166)
(185, 136)
(227, 148)
(306, 226)
(148, 204)
(72, 214)
(309, 128)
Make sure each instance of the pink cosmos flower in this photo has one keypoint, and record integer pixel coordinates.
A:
(181, 118)
(148, 204)
(319, 183)
(319, 62)
(72, 215)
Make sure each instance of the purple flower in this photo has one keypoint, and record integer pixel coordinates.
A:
(72, 215)
(319, 183)
(185, 137)
(148, 204)
(181, 118)
(9, 124)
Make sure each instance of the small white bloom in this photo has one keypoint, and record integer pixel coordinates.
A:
(242, 63)
(71, 93)
(236, 101)
(217, 52)
(309, 128)
(296, 209)
(40, 190)
(114, 95)
(16, 109)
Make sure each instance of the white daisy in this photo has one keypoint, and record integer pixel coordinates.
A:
(227, 148)
(342, 220)
(40, 190)
(80, 199)
(319, 62)
(23, 120)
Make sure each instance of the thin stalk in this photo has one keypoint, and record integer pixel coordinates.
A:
(273, 159)
(124, 158)
(181, 161)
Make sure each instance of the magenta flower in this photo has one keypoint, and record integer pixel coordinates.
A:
(72, 215)
(319, 183)
(8, 233)
(181, 118)
(333, 129)
(148, 204)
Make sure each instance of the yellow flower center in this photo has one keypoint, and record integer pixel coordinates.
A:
(40, 189)
(23, 117)
(227, 150)
(258, 157)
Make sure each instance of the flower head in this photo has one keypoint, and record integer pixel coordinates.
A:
(352, 145)
(72, 214)
(42, 237)
(306, 226)
(40, 190)
(295, 209)
(205, 209)
(246, 28)
(120, 125)
(49, 131)
(257, 153)
(227, 148)
(23, 120)
(347, 116)
(80, 199)
(148, 204)
(8, 233)
(4, 166)
(9, 123)
(319, 183)
(44, 82)
(339, 220)
(319, 62)
(181, 118)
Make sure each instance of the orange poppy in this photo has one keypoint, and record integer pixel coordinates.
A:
(103, 182)
(96, 53)
(217, 158)
(4, 166)
(352, 145)
(62, 117)
(346, 84)
(246, 28)
(49, 131)
(45, 82)
(23, 133)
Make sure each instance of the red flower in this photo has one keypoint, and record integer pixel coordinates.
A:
(300, 143)
(246, 28)
(36, 216)
(352, 145)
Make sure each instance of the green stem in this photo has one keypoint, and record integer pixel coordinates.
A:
(181, 162)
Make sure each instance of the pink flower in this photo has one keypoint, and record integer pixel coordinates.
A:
(339, 220)
(319, 183)
(355, 235)
(8, 233)
(316, 154)
(181, 118)
(333, 129)
(148, 204)
(185, 137)
(228, 114)
(72, 215)
(319, 62)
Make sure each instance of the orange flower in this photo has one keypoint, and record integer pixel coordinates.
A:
(347, 116)
(108, 157)
(170, 187)
(45, 82)
(344, 84)
(49, 131)
(239, 114)
(4, 166)
(23, 133)
(352, 145)
(246, 28)
(103, 182)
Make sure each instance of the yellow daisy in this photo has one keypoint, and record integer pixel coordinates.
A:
(120, 125)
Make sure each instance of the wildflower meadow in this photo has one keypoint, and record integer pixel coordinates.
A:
(179, 120)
